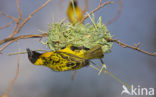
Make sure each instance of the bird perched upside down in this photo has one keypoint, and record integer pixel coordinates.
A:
(65, 59)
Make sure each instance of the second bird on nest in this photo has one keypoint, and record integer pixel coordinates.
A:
(74, 13)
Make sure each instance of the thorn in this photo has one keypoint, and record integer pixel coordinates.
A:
(137, 45)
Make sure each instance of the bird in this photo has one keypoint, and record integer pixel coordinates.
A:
(65, 59)
(74, 13)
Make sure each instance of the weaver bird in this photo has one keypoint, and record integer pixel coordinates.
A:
(65, 59)
(74, 13)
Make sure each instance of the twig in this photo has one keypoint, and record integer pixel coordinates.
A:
(18, 8)
(25, 52)
(98, 68)
(116, 17)
(18, 20)
(132, 47)
(15, 78)
(11, 40)
(103, 68)
(2, 48)
(18, 26)
(14, 30)
(24, 37)
(100, 2)
(123, 83)
(6, 25)
(100, 6)
(11, 17)
(26, 20)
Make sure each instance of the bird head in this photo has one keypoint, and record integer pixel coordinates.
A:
(33, 55)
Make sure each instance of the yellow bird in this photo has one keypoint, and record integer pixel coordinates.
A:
(65, 59)
(74, 13)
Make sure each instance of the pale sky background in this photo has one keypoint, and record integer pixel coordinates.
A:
(137, 23)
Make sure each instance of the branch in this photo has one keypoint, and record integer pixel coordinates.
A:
(18, 8)
(24, 37)
(135, 47)
(98, 68)
(7, 16)
(15, 78)
(11, 17)
(100, 1)
(26, 20)
(18, 20)
(18, 26)
(11, 40)
(100, 6)
(6, 45)
(6, 25)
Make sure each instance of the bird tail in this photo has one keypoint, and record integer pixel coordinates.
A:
(94, 53)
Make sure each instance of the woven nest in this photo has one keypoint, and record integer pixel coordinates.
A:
(87, 35)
